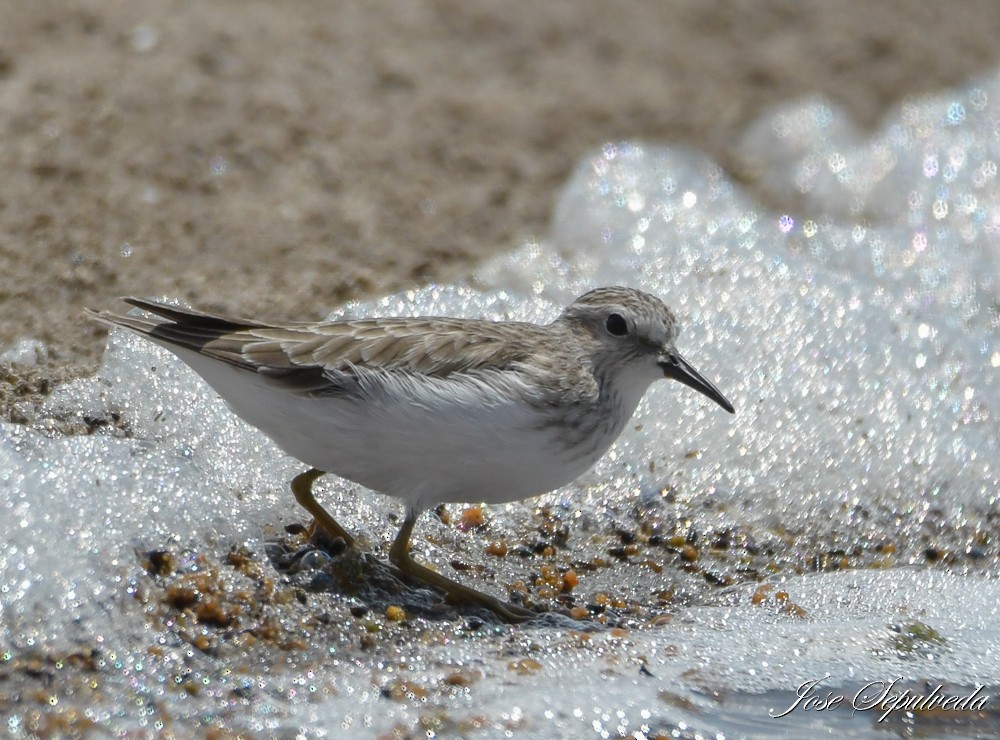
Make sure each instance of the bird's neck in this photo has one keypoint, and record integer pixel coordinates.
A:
(620, 394)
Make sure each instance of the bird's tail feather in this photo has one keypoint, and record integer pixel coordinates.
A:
(179, 326)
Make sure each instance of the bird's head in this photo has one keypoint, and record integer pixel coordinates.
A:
(634, 335)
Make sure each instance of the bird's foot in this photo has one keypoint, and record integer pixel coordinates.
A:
(456, 591)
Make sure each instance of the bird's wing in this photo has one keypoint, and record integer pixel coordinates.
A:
(323, 357)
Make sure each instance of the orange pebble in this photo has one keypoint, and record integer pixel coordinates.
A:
(395, 614)
(497, 549)
(472, 518)
(794, 610)
(525, 666)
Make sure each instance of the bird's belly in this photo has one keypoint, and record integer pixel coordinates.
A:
(472, 445)
(427, 459)
(426, 474)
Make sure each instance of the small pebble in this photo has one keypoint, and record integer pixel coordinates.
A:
(497, 549)
(161, 562)
(472, 518)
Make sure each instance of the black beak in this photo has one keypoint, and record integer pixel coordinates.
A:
(676, 367)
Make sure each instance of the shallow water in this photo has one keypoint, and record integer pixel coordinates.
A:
(842, 526)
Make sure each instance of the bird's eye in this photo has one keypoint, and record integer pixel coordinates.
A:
(617, 325)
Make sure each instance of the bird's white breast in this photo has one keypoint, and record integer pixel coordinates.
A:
(424, 440)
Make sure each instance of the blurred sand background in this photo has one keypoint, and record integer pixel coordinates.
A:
(278, 159)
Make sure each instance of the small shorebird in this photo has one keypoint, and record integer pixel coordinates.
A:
(433, 410)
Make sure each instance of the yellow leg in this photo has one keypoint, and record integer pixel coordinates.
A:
(399, 555)
(302, 488)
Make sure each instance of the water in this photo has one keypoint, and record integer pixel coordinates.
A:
(842, 526)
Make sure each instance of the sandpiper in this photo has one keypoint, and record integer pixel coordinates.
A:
(432, 409)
